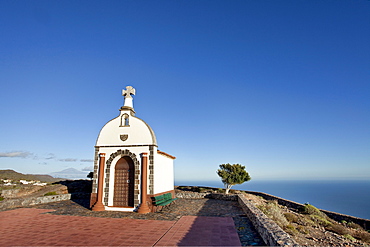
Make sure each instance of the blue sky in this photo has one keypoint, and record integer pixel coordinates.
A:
(282, 87)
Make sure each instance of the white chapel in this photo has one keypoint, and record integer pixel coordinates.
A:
(129, 169)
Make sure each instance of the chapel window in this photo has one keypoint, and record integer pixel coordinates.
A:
(125, 120)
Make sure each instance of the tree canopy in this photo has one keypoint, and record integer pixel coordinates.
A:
(90, 175)
(232, 175)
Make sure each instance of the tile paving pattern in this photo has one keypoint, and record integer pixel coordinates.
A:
(31, 227)
(203, 221)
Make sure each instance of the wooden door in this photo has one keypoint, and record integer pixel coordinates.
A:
(124, 183)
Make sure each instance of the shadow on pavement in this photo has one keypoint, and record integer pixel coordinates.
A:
(231, 223)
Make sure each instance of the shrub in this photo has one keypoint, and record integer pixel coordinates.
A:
(273, 211)
(321, 220)
(349, 237)
(337, 228)
(184, 188)
(51, 193)
(291, 217)
(308, 220)
(201, 189)
(1, 198)
(302, 229)
(195, 189)
(354, 226)
(290, 229)
(362, 235)
(312, 210)
(220, 190)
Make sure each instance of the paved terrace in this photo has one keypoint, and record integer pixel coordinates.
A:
(188, 222)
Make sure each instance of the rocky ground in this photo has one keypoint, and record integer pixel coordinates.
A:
(310, 227)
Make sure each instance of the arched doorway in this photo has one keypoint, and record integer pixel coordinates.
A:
(124, 183)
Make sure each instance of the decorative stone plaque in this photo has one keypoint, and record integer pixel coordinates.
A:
(123, 137)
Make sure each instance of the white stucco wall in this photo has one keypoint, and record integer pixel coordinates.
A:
(163, 173)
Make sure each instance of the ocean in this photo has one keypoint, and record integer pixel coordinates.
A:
(341, 196)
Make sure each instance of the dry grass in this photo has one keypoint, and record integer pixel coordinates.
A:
(273, 211)
(291, 217)
(362, 235)
(355, 226)
(323, 221)
(310, 218)
(290, 229)
(302, 229)
(338, 228)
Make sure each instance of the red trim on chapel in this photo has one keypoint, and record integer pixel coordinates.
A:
(166, 154)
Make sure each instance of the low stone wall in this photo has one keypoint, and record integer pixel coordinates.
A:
(11, 193)
(191, 195)
(229, 197)
(18, 202)
(198, 195)
(365, 223)
(24, 191)
(270, 232)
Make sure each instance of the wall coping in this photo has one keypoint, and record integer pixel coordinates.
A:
(270, 232)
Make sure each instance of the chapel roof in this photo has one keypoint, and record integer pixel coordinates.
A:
(166, 154)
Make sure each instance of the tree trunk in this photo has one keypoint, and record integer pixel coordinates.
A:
(227, 187)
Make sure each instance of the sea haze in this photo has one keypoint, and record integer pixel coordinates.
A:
(341, 196)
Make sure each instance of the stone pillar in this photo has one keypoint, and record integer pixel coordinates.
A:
(98, 206)
(143, 208)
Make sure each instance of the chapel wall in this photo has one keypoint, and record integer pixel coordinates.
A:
(163, 174)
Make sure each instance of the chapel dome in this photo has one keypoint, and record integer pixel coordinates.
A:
(126, 129)
(137, 132)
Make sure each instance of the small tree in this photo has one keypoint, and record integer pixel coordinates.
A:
(90, 175)
(232, 174)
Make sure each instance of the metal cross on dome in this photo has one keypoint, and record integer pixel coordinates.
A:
(127, 93)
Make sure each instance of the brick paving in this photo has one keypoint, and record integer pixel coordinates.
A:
(203, 221)
(32, 227)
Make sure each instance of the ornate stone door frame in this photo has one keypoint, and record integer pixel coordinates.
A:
(109, 166)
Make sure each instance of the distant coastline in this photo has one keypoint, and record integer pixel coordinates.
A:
(340, 196)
